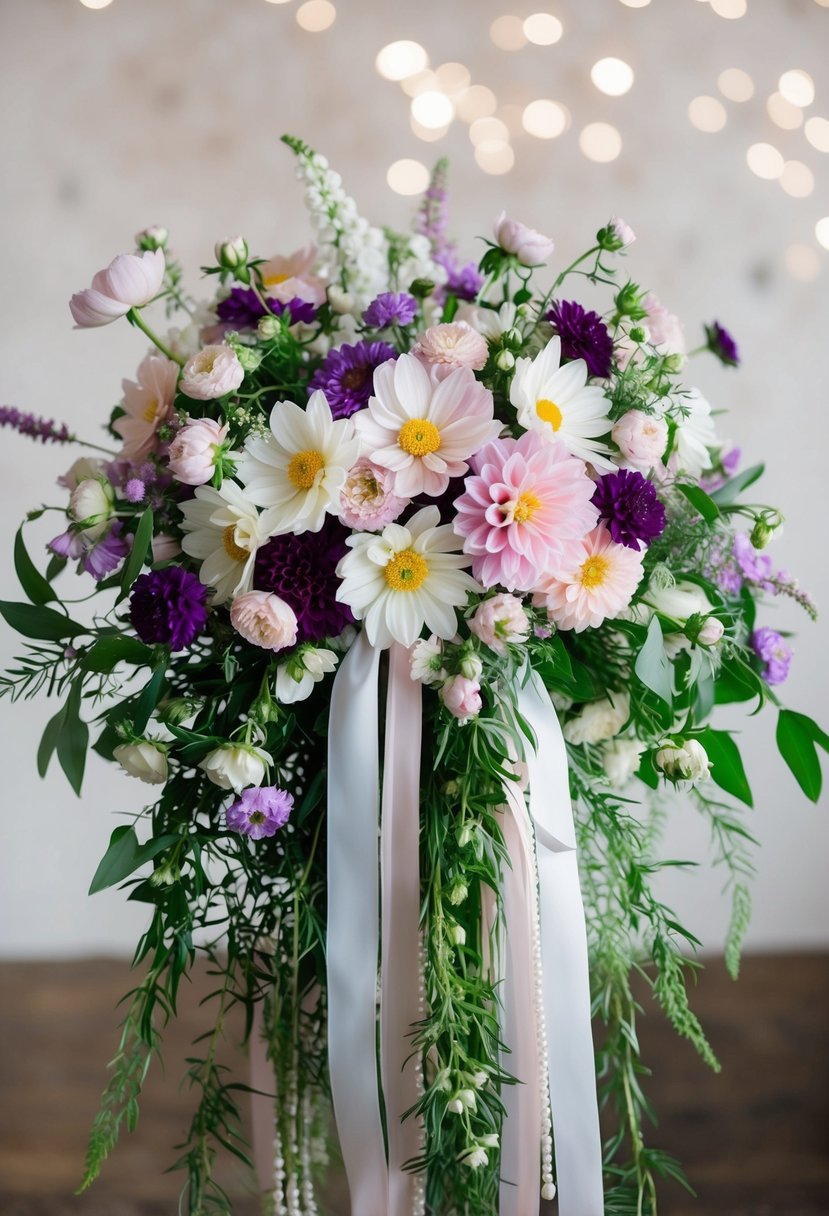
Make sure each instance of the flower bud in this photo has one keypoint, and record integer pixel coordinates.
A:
(91, 506)
(270, 327)
(145, 759)
(466, 833)
(471, 666)
(683, 760)
(710, 631)
(234, 766)
(473, 1158)
(248, 356)
(455, 1106)
(765, 527)
(232, 254)
(456, 933)
(629, 302)
(458, 892)
(505, 360)
(479, 1080)
(615, 236)
(154, 237)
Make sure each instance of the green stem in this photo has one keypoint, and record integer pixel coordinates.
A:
(135, 318)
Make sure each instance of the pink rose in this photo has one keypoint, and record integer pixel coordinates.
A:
(130, 281)
(462, 697)
(367, 501)
(641, 438)
(499, 620)
(264, 620)
(455, 344)
(193, 451)
(213, 372)
(530, 247)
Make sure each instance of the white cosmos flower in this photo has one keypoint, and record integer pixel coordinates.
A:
(405, 578)
(223, 530)
(558, 402)
(299, 469)
(695, 434)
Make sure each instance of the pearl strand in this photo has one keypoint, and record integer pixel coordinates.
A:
(419, 1179)
(291, 1106)
(308, 1197)
(548, 1186)
(278, 1197)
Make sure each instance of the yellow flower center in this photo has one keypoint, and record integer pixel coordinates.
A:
(406, 571)
(419, 437)
(256, 817)
(548, 411)
(525, 507)
(152, 410)
(593, 572)
(273, 280)
(304, 467)
(231, 548)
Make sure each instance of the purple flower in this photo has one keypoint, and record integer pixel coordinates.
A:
(347, 375)
(433, 213)
(297, 310)
(242, 309)
(44, 429)
(755, 567)
(301, 570)
(463, 281)
(134, 490)
(628, 502)
(720, 342)
(775, 655)
(390, 308)
(584, 335)
(168, 606)
(68, 545)
(107, 553)
(260, 812)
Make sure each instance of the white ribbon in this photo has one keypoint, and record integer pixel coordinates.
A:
(566, 980)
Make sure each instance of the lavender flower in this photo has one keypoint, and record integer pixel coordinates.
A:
(756, 568)
(260, 812)
(463, 281)
(44, 429)
(584, 335)
(390, 308)
(774, 654)
(433, 214)
(168, 606)
(628, 502)
(134, 490)
(720, 342)
(106, 554)
(347, 375)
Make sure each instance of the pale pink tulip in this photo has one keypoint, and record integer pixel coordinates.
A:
(193, 451)
(130, 281)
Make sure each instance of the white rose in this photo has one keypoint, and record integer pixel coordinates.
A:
(599, 720)
(236, 766)
(145, 760)
(91, 506)
(678, 602)
(687, 761)
(711, 631)
(620, 760)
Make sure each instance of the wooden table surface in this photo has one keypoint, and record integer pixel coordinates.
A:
(754, 1140)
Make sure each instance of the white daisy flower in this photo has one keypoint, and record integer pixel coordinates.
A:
(223, 530)
(405, 578)
(299, 469)
(695, 435)
(558, 402)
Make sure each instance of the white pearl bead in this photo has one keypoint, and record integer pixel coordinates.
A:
(548, 1191)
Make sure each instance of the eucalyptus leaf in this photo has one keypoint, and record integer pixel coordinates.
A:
(653, 667)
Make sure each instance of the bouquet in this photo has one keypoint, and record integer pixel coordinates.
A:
(415, 584)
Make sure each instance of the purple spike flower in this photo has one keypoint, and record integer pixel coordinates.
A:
(774, 654)
(390, 308)
(44, 429)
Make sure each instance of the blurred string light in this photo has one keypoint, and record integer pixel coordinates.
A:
(735, 84)
(797, 87)
(797, 179)
(489, 133)
(495, 160)
(96, 3)
(600, 141)
(432, 109)
(822, 231)
(765, 160)
(803, 262)
(452, 78)
(545, 119)
(428, 134)
(707, 114)
(407, 176)
(732, 10)
(817, 131)
(642, 3)
(508, 33)
(785, 115)
(316, 15)
(419, 82)
(278, 1)
(543, 29)
(476, 102)
(397, 60)
(612, 76)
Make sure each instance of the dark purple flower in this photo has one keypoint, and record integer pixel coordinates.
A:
(260, 812)
(720, 342)
(301, 569)
(168, 606)
(297, 310)
(463, 281)
(628, 502)
(44, 429)
(107, 553)
(347, 375)
(584, 335)
(773, 652)
(242, 309)
(390, 308)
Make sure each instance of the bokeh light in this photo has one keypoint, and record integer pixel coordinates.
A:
(401, 59)
(730, 9)
(797, 87)
(316, 15)
(452, 78)
(612, 76)
(476, 102)
(817, 132)
(636, 3)
(495, 160)
(735, 84)
(508, 33)
(822, 231)
(96, 3)
(488, 132)
(765, 160)
(803, 262)
(797, 179)
(707, 114)
(543, 29)
(545, 118)
(432, 109)
(407, 176)
(783, 113)
(600, 141)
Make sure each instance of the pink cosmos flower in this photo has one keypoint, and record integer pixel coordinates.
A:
(263, 619)
(526, 501)
(367, 501)
(148, 401)
(462, 697)
(530, 247)
(455, 344)
(193, 451)
(593, 582)
(130, 281)
(291, 278)
(422, 430)
(212, 373)
(499, 620)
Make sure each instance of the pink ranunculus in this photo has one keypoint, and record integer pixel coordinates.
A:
(664, 328)
(292, 278)
(524, 502)
(263, 619)
(193, 451)
(148, 402)
(499, 620)
(530, 247)
(455, 344)
(641, 438)
(593, 582)
(130, 281)
(213, 372)
(367, 501)
(462, 697)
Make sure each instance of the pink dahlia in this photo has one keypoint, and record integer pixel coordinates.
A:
(593, 582)
(422, 430)
(148, 402)
(526, 501)
(455, 344)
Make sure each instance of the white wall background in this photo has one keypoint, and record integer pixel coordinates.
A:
(152, 111)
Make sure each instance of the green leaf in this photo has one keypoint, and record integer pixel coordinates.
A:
(731, 491)
(653, 667)
(31, 580)
(35, 621)
(49, 741)
(103, 656)
(53, 569)
(149, 698)
(727, 769)
(140, 548)
(797, 737)
(118, 861)
(702, 503)
(73, 740)
(737, 682)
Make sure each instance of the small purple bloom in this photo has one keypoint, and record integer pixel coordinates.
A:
(347, 375)
(773, 652)
(134, 490)
(463, 281)
(390, 308)
(107, 553)
(629, 504)
(44, 429)
(260, 811)
(302, 571)
(168, 606)
(720, 342)
(242, 309)
(756, 568)
(584, 335)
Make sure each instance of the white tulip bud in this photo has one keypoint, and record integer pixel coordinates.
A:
(683, 761)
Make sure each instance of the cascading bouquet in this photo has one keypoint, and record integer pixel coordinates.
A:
(400, 560)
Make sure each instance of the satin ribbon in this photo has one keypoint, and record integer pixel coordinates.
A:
(566, 981)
